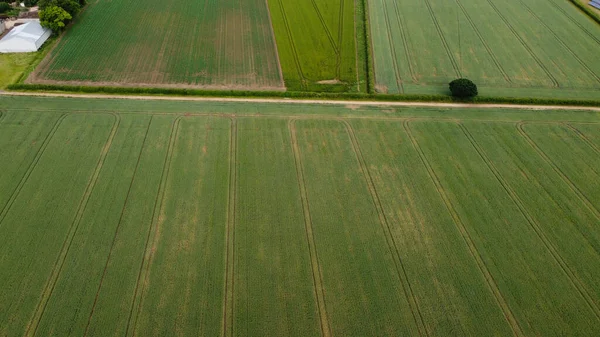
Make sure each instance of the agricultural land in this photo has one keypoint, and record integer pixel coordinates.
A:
(509, 48)
(226, 44)
(164, 218)
(317, 41)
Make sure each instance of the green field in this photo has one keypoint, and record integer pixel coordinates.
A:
(226, 44)
(317, 44)
(516, 46)
(125, 217)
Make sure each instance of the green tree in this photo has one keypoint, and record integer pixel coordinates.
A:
(72, 7)
(463, 88)
(55, 18)
(4, 7)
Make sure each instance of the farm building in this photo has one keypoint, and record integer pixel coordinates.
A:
(28, 37)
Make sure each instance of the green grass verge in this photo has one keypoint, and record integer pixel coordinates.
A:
(298, 95)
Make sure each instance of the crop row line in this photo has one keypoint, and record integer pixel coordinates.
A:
(550, 247)
(317, 275)
(393, 50)
(228, 298)
(292, 43)
(316, 116)
(144, 272)
(30, 169)
(483, 41)
(564, 177)
(324, 24)
(405, 41)
(562, 43)
(389, 236)
(524, 44)
(66, 246)
(590, 34)
(492, 284)
(279, 70)
(443, 39)
(583, 137)
(340, 37)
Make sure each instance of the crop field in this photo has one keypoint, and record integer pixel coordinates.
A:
(317, 44)
(512, 47)
(164, 218)
(226, 44)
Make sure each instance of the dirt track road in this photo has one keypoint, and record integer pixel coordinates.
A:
(310, 101)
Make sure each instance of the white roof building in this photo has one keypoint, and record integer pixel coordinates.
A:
(25, 38)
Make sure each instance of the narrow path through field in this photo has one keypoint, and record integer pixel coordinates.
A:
(310, 101)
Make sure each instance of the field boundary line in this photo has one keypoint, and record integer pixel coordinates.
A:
(533, 223)
(148, 255)
(292, 44)
(317, 275)
(491, 282)
(529, 50)
(564, 177)
(562, 43)
(485, 45)
(32, 166)
(393, 50)
(389, 237)
(405, 41)
(443, 39)
(66, 246)
(281, 81)
(574, 21)
(229, 290)
(583, 137)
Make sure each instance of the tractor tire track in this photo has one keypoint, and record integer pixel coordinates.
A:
(144, 270)
(551, 248)
(31, 167)
(393, 50)
(485, 45)
(292, 44)
(561, 42)
(405, 42)
(310, 237)
(228, 295)
(583, 137)
(340, 40)
(443, 39)
(491, 282)
(327, 31)
(564, 177)
(524, 44)
(66, 246)
(590, 34)
(389, 237)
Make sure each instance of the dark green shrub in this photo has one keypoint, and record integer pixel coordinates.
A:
(463, 88)
(4, 7)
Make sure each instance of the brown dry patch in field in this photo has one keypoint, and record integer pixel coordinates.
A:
(334, 81)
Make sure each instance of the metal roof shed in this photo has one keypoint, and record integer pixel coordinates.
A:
(25, 38)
